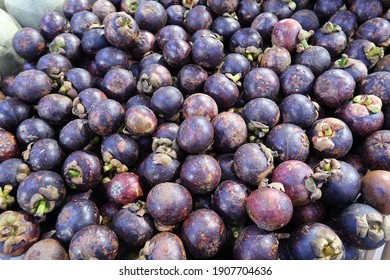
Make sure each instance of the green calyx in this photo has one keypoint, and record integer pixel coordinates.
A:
(371, 102)
(73, 173)
(327, 246)
(42, 209)
(329, 28)
(6, 199)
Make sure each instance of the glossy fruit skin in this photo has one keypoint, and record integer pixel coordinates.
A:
(135, 229)
(80, 78)
(383, 64)
(121, 147)
(229, 131)
(377, 83)
(366, 10)
(152, 78)
(280, 8)
(325, 9)
(118, 84)
(229, 200)
(12, 112)
(25, 240)
(109, 57)
(157, 171)
(54, 63)
(347, 226)
(52, 24)
(220, 7)
(307, 19)
(223, 90)
(166, 102)
(81, 22)
(124, 188)
(252, 163)
(296, 79)
(138, 99)
(345, 190)
(145, 42)
(106, 116)
(177, 53)
(163, 246)
(75, 215)
(235, 63)
(264, 23)
(150, 16)
(140, 121)
(28, 43)
(93, 40)
(376, 190)
(225, 26)
(72, 7)
(175, 15)
(276, 58)
(302, 242)
(88, 170)
(9, 170)
(261, 82)
(203, 234)
(45, 154)
(226, 162)
(191, 78)
(356, 68)
(55, 108)
(86, 98)
(290, 141)
(102, 8)
(337, 144)
(255, 244)
(195, 134)
(270, 209)
(376, 30)
(199, 104)
(332, 39)
(316, 58)
(152, 58)
(75, 135)
(199, 17)
(299, 110)
(346, 20)
(121, 30)
(334, 87)
(285, 34)
(375, 150)
(94, 242)
(207, 52)
(293, 174)
(45, 187)
(244, 38)
(46, 249)
(200, 174)
(312, 212)
(169, 203)
(360, 119)
(33, 129)
(170, 32)
(9, 147)
(365, 51)
(263, 111)
(32, 85)
(68, 45)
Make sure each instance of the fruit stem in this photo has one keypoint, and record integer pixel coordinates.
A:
(327, 166)
(73, 173)
(343, 60)
(41, 209)
(108, 167)
(375, 51)
(329, 251)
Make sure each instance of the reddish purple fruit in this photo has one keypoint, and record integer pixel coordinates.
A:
(203, 234)
(124, 188)
(163, 246)
(376, 190)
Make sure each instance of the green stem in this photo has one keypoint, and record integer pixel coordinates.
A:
(327, 166)
(343, 61)
(108, 167)
(41, 209)
(73, 173)
(375, 51)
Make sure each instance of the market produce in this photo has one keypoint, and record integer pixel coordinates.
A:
(173, 130)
